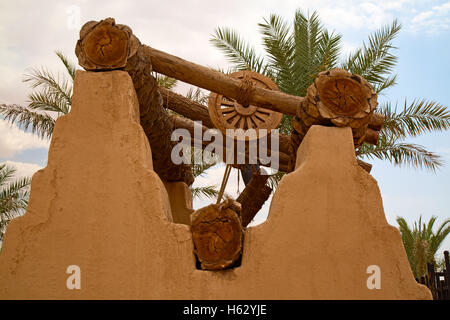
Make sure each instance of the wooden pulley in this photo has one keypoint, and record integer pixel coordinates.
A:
(226, 113)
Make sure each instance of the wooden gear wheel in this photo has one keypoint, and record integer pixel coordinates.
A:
(227, 113)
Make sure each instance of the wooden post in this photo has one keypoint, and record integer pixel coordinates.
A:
(253, 197)
(447, 272)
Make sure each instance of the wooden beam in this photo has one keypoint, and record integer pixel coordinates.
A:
(218, 82)
(186, 107)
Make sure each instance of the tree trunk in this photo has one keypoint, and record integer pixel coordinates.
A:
(253, 197)
(105, 46)
(218, 235)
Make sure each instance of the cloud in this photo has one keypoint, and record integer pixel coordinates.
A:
(13, 140)
(432, 21)
(23, 169)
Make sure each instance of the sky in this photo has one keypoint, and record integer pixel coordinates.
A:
(30, 32)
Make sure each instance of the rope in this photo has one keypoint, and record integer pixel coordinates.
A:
(246, 90)
(224, 182)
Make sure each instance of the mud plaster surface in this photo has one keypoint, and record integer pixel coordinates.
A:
(99, 205)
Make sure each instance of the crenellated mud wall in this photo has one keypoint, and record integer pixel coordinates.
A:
(99, 205)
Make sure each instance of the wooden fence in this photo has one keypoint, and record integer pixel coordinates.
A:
(438, 282)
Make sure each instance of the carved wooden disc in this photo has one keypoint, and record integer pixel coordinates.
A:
(227, 113)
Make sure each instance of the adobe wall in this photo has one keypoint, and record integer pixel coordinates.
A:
(99, 205)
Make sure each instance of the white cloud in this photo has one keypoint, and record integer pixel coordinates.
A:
(23, 169)
(13, 140)
(432, 21)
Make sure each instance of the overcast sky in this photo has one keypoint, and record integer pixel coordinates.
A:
(30, 32)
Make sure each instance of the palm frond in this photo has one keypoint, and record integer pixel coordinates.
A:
(328, 52)
(401, 154)
(14, 198)
(374, 61)
(307, 35)
(41, 123)
(57, 86)
(197, 95)
(439, 236)
(165, 81)
(70, 67)
(278, 43)
(238, 52)
(207, 191)
(48, 101)
(419, 117)
(6, 173)
(407, 239)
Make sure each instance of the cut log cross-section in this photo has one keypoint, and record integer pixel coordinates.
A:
(338, 98)
(107, 46)
(218, 235)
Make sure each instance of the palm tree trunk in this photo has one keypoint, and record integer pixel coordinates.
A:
(253, 197)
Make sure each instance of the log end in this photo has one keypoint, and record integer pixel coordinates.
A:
(104, 45)
(217, 233)
(342, 94)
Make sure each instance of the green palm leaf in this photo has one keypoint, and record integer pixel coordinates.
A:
(419, 117)
(421, 242)
(278, 44)
(165, 81)
(14, 198)
(401, 154)
(374, 61)
(238, 52)
(70, 67)
(6, 173)
(307, 37)
(41, 123)
(197, 95)
(57, 86)
(210, 192)
(48, 101)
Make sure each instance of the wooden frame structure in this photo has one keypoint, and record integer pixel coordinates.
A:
(336, 98)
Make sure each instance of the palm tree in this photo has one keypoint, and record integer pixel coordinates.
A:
(421, 242)
(297, 52)
(13, 197)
